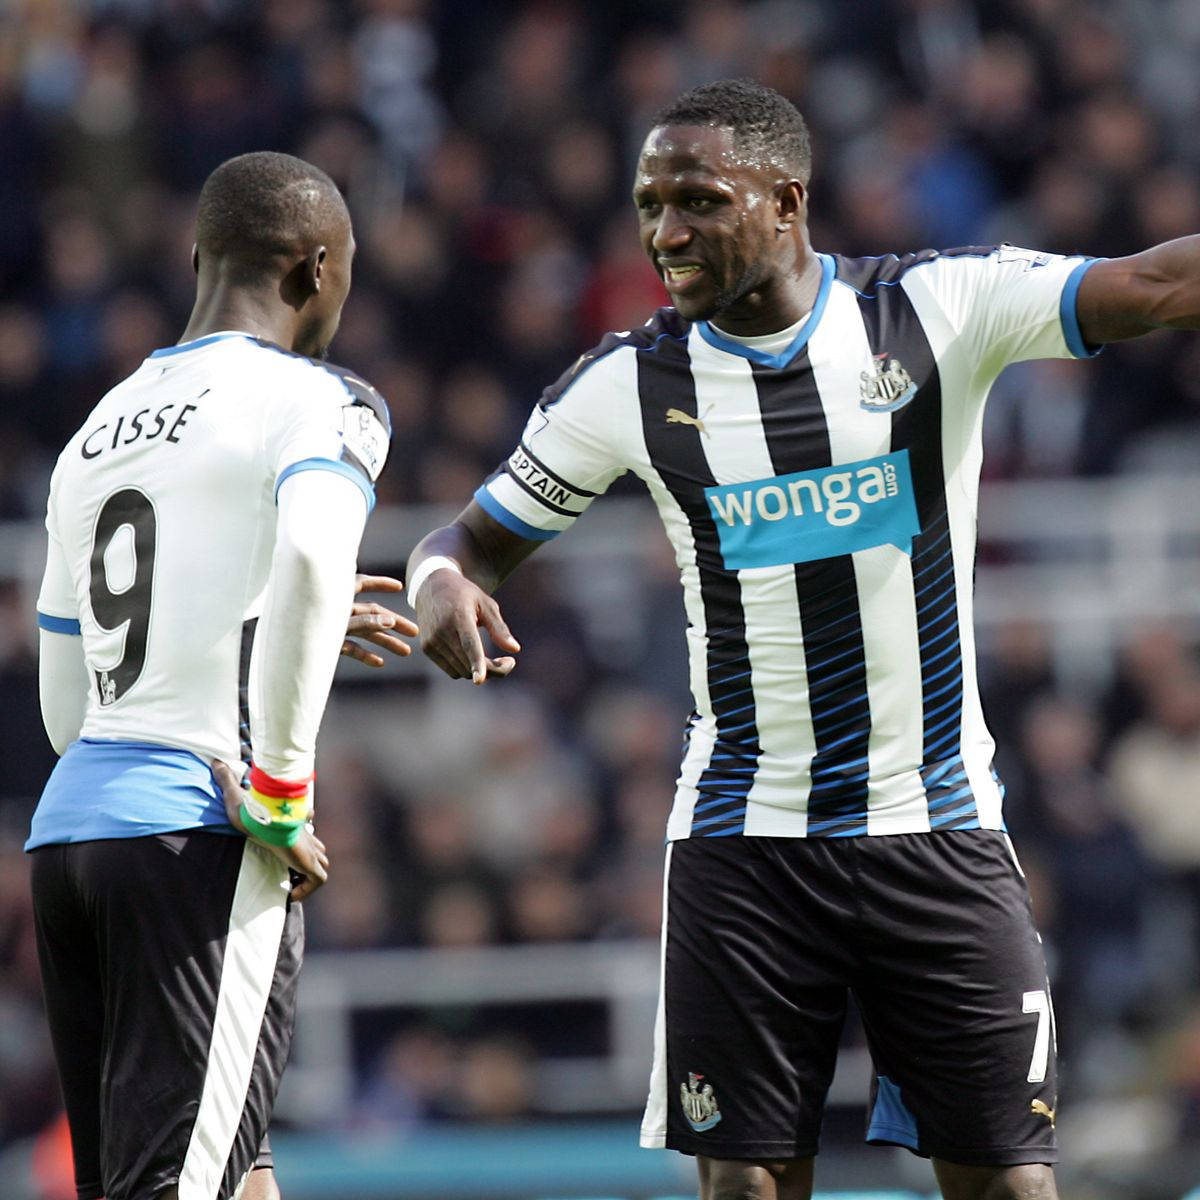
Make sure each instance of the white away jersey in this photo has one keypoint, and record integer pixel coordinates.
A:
(821, 504)
(161, 529)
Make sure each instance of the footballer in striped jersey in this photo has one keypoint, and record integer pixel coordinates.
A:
(809, 427)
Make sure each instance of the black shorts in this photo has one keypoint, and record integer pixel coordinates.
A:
(764, 938)
(169, 966)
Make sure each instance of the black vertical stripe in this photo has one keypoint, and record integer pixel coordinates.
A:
(797, 437)
(247, 647)
(677, 454)
(894, 328)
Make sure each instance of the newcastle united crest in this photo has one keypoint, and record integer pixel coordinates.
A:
(699, 1103)
(886, 387)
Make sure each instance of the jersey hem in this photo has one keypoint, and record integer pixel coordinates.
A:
(737, 1150)
(1003, 1156)
(894, 829)
(222, 829)
(510, 521)
(328, 464)
(1069, 316)
(53, 624)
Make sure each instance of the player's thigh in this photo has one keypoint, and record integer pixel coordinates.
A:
(955, 1001)
(1034, 1181)
(194, 931)
(726, 1179)
(753, 1001)
(74, 1000)
(261, 1185)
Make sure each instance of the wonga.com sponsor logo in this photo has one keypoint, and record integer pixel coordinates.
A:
(816, 514)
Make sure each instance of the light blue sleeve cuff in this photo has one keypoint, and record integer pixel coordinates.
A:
(58, 624)
(329, 464)
(1070, 317)
(495, 509)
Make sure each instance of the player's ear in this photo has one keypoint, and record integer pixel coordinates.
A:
(312, 270)
(195, 258)
(790, 200)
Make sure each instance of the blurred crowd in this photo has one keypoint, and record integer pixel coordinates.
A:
(485, 148)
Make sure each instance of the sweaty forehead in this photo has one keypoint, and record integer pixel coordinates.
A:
(694, 149)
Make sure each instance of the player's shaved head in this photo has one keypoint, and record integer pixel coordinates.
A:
(766, 126)
(259, 208)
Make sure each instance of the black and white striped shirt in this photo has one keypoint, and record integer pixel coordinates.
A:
(821, 504)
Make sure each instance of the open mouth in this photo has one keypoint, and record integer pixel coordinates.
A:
(681, 276)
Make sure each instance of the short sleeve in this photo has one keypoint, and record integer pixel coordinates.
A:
(567, 456)
(1010, 304)
(57, 607)
(337, 423)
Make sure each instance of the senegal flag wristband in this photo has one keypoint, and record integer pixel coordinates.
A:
(277, 833)
(276, 810)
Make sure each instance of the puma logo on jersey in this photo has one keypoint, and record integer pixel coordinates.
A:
(676, 416)
(1042, 1109)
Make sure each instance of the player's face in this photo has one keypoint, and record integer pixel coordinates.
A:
(708, 220)
(325, 308)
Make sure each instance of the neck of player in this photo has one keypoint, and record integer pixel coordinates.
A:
(781, 301)
(223, 305)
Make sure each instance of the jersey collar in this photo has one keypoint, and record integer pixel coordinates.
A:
(196, 343)
(785, 356)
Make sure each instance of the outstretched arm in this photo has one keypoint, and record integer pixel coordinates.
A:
(1156, 289)
(453, 597)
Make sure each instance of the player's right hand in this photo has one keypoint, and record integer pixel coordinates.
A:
(451, 610)
(306, 856)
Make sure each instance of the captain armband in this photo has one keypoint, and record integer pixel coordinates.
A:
(276, 810)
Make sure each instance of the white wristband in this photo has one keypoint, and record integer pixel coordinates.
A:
(425, 568)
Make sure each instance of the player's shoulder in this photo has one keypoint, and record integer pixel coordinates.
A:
(665, 327)
(338, 385)
(868, 273)
(358, 391)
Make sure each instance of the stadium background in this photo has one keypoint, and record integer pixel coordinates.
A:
(480, 986)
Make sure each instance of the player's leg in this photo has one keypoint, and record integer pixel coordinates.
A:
(750, 1014)
(199, 955)
(956, 1007)
(71, 987)
(729, 1179)
(261, 1185)
(1031, 1181)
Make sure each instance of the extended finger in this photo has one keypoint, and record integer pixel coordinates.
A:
(389, 642)
(471, 646)
(459, 643)
(361, 654)
(493, 622)
(369, 616)
(442, 661)
(499, 667)
(225, 776)
(400, 623)
(367, 624)
(305, 888)
(377, 583)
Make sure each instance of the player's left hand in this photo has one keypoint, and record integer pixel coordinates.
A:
(307, 856)
(376, 624)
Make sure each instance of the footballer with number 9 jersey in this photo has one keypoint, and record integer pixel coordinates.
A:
(203, 526)
(809, 426)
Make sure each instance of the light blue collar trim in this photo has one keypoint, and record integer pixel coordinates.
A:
(720, 342)
(196, 343)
